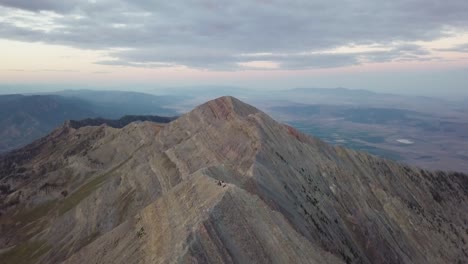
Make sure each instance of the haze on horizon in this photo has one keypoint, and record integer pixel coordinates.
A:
(409, 47)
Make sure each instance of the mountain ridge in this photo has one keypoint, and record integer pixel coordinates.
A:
(226, 183)
(25, 118)
(117, 123)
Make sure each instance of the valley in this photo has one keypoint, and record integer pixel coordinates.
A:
(421, 139)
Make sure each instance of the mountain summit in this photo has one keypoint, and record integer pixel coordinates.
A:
(224, 183)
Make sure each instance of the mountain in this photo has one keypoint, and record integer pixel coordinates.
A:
(223, 183)
(115, 104)
(24, 118)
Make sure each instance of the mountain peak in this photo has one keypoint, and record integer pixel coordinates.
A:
(225, 107)
(222, 184)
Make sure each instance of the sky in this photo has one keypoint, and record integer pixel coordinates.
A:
(399, 46)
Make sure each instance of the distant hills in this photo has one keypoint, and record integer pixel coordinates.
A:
(24, 118)
(115, 104)
(334, 91)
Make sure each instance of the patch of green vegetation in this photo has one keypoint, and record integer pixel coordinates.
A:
(376, 115)
(84, 191)
(368, 138)
(373, 150)
(25, 253)
(35, 213)
(331, 134)
(305, 110)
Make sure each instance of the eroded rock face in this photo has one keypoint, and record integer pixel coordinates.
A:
(222, 184)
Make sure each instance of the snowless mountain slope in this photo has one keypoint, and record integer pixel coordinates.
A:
(224, 183)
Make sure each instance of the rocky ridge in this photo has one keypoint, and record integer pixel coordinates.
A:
(152, 193)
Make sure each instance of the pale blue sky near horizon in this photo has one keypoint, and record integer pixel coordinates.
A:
(438, 84)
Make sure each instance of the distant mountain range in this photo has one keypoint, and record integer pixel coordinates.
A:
(334, 91)
(115, 104)
(224, 183)
(24, 118)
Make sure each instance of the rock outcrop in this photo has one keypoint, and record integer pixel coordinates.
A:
(224, 183)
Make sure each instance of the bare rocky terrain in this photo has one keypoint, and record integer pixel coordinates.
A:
(223, 183)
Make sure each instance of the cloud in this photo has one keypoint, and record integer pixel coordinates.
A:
(216, 35)
(459, 48)
(212, 59)
(223, 60)
(41, 5)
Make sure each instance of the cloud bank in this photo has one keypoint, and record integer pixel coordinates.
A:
(232, 35)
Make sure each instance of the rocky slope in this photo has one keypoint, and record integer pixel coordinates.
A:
(224, 183)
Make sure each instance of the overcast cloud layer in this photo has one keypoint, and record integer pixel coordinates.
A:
(227, 35)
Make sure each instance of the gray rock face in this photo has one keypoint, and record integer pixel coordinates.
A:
(224, 183)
